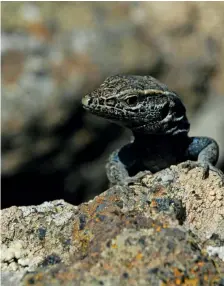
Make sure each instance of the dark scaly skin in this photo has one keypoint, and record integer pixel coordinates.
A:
(157, 118)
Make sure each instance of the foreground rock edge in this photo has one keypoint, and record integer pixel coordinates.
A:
(141, 232)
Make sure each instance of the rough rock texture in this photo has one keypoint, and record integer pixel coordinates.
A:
(33, 233)
(54, 52)
(159, 231)
(203, 200)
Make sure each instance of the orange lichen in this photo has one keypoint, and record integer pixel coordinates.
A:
(191, 282)
(160, 191)
(178, 281)
(177, 272)
(139, 256)
(39, 30)
(81, 238)
(114, 245)
(154, 204)
(107, 266)
(201, 263)
(187, 282)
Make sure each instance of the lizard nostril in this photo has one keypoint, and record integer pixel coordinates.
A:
(110, 102)
(86, 100)
(101, 101)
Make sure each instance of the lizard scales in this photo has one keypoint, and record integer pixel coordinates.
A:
(157, 118)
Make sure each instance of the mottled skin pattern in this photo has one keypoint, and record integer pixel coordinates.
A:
(157, 118)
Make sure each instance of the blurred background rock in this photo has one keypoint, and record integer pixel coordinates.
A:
(52, 53)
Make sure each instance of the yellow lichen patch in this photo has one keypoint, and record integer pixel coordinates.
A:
(187, 282)
(178, 282)
(165, 225)
(114, 245)
(205, 277)
(81, 238)
(139, 256)
(177, 272)
(191, 282)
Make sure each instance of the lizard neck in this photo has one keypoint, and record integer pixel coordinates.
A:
(142, 139)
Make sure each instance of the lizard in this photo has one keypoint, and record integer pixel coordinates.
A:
(157, 118)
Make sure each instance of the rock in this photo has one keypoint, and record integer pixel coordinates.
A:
(203, 200)
(31, 234)
(216, 251)
(155, 231)
(11, 278)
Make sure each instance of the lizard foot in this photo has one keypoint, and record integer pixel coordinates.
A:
(206, 168)
(139, 176)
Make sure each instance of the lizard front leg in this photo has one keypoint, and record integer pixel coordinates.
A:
(120, 161)
(205, 152)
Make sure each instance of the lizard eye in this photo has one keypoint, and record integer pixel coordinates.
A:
(132, 100)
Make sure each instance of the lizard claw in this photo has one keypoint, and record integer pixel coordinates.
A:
(206, 168)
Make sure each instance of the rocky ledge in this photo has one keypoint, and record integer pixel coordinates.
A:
(167, 229)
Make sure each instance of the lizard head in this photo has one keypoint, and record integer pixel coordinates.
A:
(140, 103)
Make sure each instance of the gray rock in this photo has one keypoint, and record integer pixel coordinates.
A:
(151, 232)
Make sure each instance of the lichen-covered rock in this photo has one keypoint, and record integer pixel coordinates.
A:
(143, 234)
(35, 234)
(203, 200)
